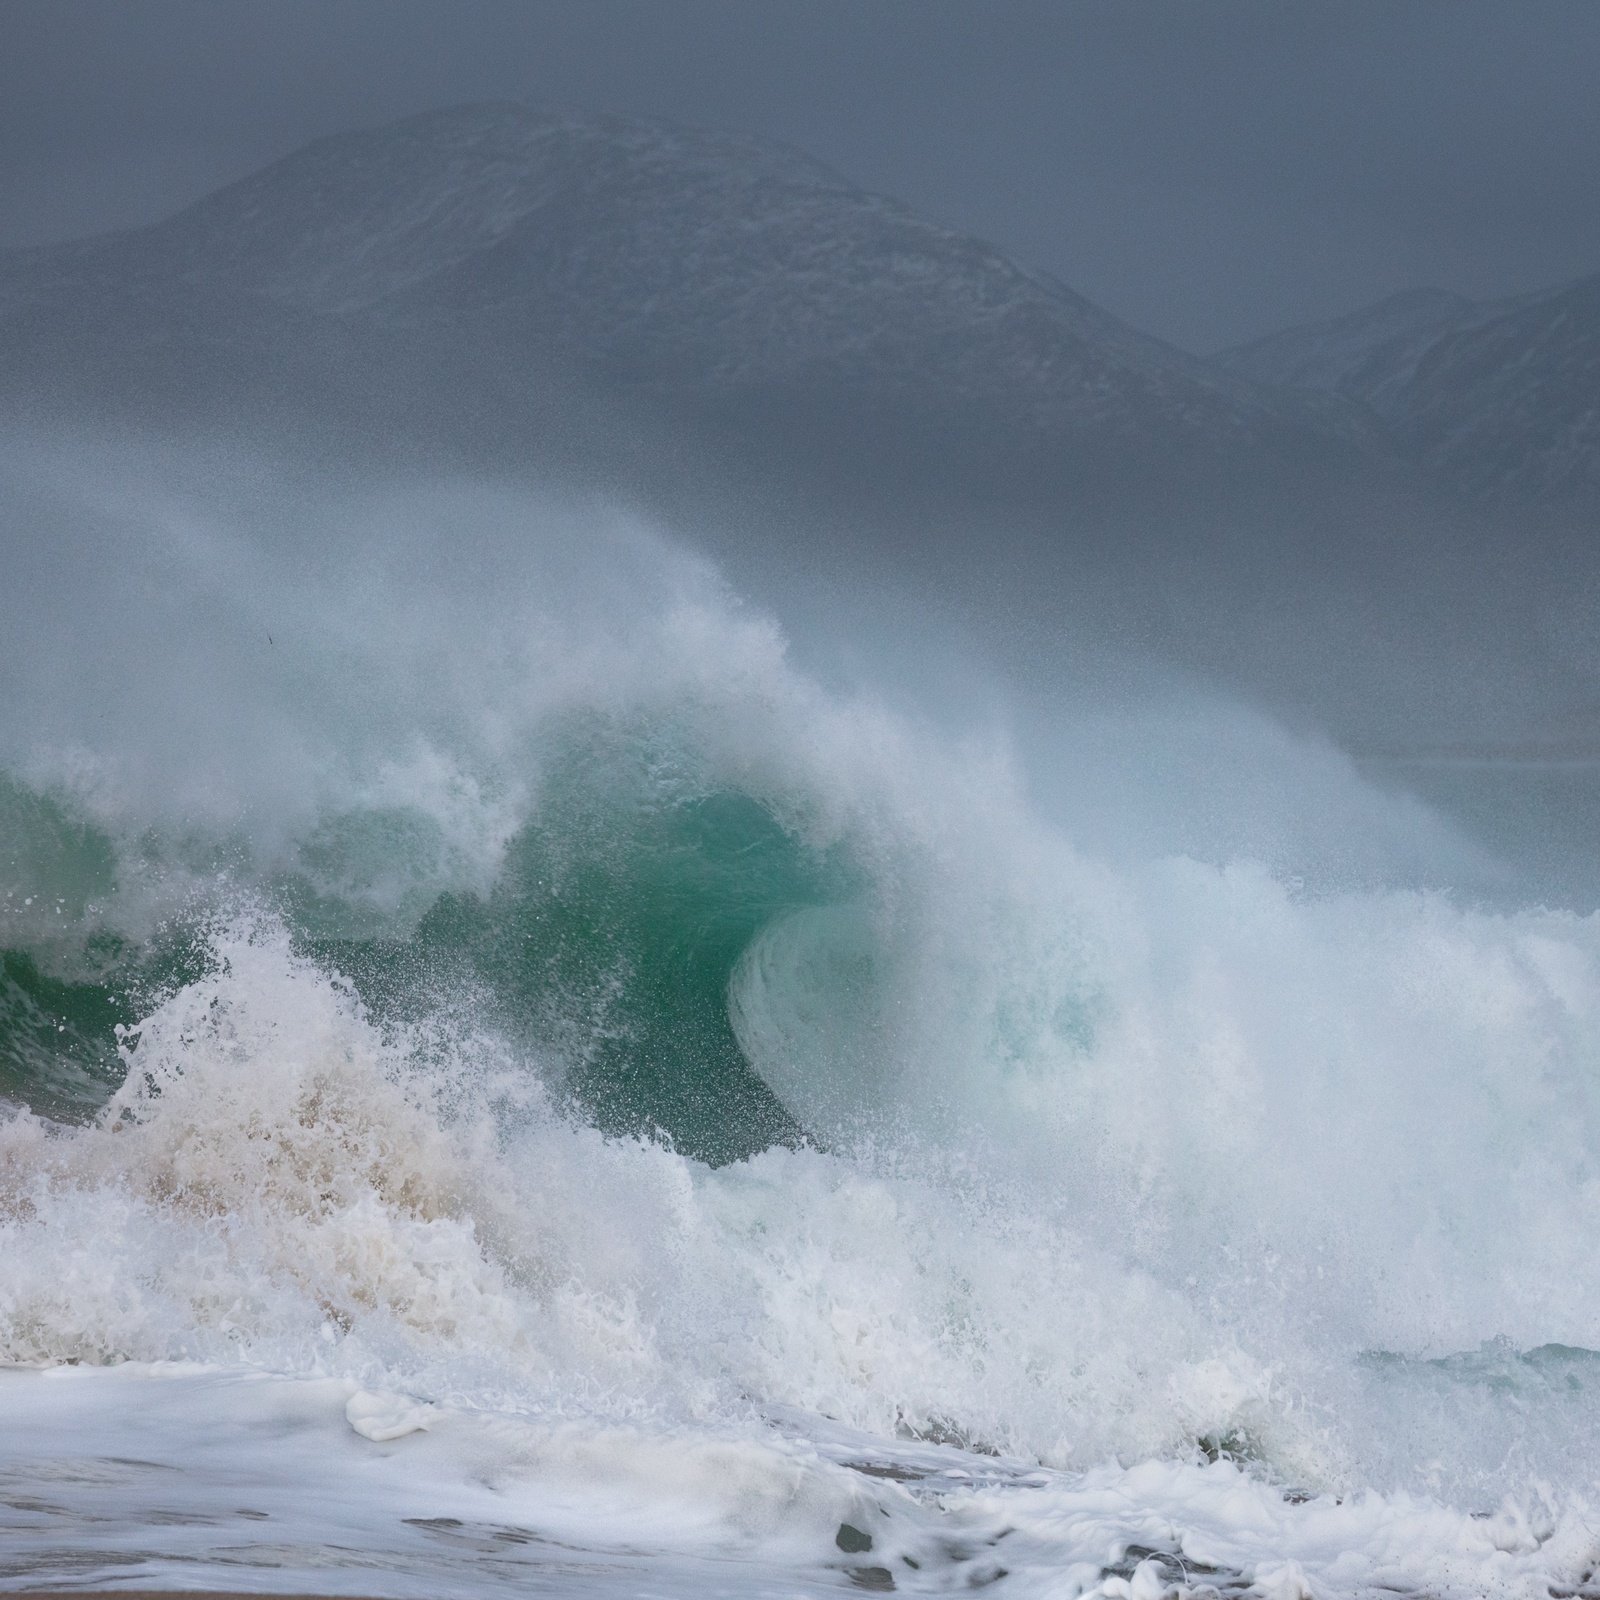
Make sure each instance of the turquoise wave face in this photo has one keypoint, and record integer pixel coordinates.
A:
(57, 1038)
(609, 941)
(605, 947)
(57, 1046)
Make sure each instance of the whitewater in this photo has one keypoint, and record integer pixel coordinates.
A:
(516, 1077)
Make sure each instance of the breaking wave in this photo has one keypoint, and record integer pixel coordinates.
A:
(450, 950)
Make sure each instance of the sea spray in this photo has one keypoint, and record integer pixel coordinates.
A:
(540, 1001)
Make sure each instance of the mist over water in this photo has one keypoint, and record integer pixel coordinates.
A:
(461, 951)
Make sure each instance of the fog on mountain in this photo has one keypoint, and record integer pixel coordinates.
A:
(1377, 522)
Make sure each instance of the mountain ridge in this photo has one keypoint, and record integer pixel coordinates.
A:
(675, 265)
(1495, 398)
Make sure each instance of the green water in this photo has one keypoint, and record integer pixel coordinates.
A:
(605, 947)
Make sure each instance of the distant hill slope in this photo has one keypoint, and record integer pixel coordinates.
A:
(806, 377)
(1359, 354)
(706, 279)
(1500, 397)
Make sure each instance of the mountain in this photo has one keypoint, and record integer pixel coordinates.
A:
(1358, 354)
(1498, 397)
(490, 258)
(798, 373)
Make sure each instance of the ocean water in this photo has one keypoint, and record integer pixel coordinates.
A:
(512, 1081)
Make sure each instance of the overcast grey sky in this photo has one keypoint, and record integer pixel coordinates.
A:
(1208, 169)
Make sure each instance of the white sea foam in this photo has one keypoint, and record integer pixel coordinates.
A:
(1114, 1159)
(176, 1474)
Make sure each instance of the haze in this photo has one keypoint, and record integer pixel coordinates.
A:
(1209, 172)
